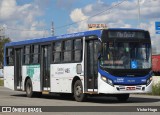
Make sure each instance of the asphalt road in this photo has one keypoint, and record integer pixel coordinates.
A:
(18, 98)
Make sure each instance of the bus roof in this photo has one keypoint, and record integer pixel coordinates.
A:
(72, 35)
(131, 29)
(39, 40)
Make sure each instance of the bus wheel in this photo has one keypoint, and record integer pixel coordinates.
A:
(29, 89)
(122, 97)
(78, 91)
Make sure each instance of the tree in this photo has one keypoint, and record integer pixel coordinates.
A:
(2, 42)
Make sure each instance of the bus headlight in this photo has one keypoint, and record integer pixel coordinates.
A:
(107, 80)
(104, 78)
(149, 81)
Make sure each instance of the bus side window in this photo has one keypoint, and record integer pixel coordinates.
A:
(77, 52)
(67, 51)
(9, 56)
(27, 54)
(35, 54)
(57, 46)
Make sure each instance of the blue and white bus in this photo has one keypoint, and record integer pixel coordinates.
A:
(114, 61)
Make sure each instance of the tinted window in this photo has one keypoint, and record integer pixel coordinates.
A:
(35, 54)
(67, 51)
(77, 53)
(57, 52)
(27, 49)
(9, 56)
(36, 49)
(27, 54)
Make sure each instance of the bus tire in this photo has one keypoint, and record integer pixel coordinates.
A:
(29, 88)
(78, 91)
(122, 97)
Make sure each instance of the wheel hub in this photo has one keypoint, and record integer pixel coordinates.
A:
(78, 90)
(29, 89)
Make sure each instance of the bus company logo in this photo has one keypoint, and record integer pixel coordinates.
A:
(67, 70)
(120, 80)
(60, 71)
(6, 109)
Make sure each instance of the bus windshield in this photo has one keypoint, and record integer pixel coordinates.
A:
(126, 55)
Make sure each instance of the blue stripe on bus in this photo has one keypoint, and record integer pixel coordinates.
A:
(124, 80)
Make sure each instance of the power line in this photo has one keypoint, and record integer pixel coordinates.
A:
(101, 12)
(116, 5)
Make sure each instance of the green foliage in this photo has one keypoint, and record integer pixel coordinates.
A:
(2, 42)
(1, 82)
(156, 89)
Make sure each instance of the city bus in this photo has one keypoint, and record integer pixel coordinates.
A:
(113, 61)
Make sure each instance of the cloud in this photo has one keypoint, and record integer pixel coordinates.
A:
(77, 15)
(7, 8)
(21, 17)
(65, 4)
(127, 11)
(124, 15)
(42, 3)
(88, 8)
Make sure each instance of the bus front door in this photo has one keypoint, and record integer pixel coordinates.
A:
(18, 69)
(45, 67)
(91, 67)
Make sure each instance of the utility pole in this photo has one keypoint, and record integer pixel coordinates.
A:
(52, 29)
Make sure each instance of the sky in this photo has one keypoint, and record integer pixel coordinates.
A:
(30, 19)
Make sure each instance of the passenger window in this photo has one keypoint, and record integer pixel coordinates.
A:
(67, 51)
(57, 52)
(27, 55)
(35, 54)
(77, 52)
(9, 56)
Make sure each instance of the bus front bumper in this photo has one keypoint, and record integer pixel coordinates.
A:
(120, 89)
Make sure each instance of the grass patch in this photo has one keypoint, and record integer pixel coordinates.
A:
(156, 89)
(1, 82)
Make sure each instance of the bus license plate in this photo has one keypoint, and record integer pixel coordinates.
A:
(131, 88)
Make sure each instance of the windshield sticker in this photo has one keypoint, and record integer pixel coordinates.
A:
(134, 64)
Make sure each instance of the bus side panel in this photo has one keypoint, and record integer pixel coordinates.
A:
(9, 77)
(62, 76)
(33, 71)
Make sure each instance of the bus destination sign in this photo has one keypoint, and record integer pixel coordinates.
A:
(125, 34)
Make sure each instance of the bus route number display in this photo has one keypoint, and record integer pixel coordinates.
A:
(124, 34)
